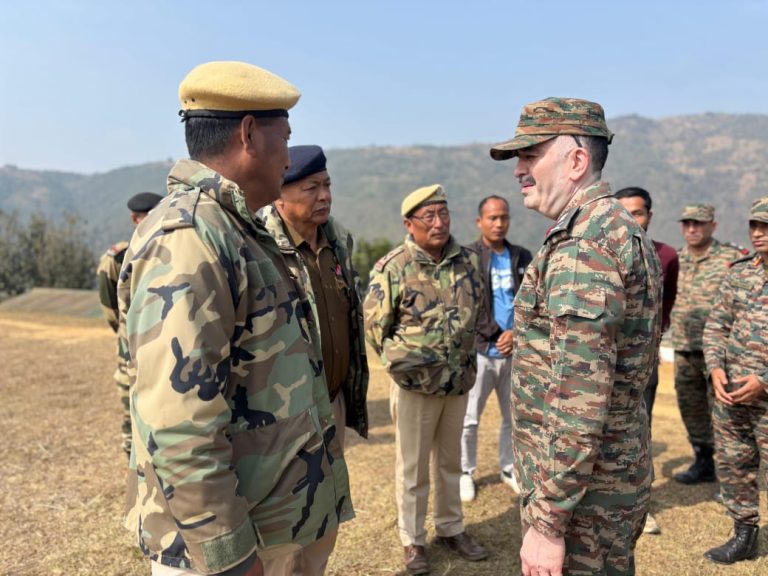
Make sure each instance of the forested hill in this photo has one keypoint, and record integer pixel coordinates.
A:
(716, 158)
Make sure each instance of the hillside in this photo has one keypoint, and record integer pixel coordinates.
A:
(715, 158)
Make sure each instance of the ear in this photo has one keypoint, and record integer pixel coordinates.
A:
(477, 221)
(714, 226)
(408, 225)
(250, 136)
(579, 164)
(136, 218)
(650, 217)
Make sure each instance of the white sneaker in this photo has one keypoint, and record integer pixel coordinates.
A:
(466, 487)
(651, 526)
(509, 479)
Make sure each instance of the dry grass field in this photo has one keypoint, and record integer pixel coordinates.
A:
(61, 486)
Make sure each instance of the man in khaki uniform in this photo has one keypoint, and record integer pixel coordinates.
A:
(107, 276)
(420, 316)
(704, 262)
(318, 250)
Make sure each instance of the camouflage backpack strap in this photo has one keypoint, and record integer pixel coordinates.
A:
(384, 260)
(181, 210)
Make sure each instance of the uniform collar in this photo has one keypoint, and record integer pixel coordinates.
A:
(581, 199)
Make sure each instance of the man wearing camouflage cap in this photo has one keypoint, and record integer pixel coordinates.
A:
(236, 464)
(587, 327)
(704, 263)
(420, 316)
(106, 277)
(736, 354)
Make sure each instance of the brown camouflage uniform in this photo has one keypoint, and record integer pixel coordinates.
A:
(698, 282)
(736, 340)
(107, 274)
(587, 328)
(234, 443)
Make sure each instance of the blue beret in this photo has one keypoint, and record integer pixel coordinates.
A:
(305, 161)
(143, 202)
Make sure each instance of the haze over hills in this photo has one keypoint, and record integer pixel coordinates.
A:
(715, 158)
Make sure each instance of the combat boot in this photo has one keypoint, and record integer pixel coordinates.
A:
(702, 469)
(743, 545)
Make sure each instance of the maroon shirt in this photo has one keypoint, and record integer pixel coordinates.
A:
(670, 266)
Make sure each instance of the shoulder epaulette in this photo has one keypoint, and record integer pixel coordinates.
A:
(181, 210)
(384, 260)
(747, 258)
(740, 249)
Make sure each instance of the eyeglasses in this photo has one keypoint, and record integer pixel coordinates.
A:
(429, 218)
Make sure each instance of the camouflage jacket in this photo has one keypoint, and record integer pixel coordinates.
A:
(736, 333)
(587, 329)
(106, 277)
(697, 284)
(356, 386)
(420, 317)
(234, 446)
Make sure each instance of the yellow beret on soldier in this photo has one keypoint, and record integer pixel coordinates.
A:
(698, 212)
(235, 90)
(432, 194)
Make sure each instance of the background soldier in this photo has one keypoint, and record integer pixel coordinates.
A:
(703, 264)
(587, 328)
(107, 275)
(637, 202)
(420, 316)
(503, 265)
(234, 443)
(736, 353)
(318, 251)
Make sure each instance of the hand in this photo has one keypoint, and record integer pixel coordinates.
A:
(505, 342)
(750, 390)
(542, 555)
(719, 382)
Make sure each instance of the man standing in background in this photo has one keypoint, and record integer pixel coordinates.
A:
(704, 262)
(107, 274)
(502, 265)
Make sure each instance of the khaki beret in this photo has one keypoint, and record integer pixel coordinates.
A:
(698, 212)
(552, 117)
(759, 211)
(421, 197)
(234, 90)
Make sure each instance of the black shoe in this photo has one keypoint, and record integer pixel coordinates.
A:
(465, 546)
(702, 469)
(416, 560)
(743, 546)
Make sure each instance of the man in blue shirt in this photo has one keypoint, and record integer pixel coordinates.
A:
(503, 265)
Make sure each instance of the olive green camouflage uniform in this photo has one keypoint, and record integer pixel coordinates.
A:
(234, 443)
(108, 273)
(420, 317)
(587, 328)
(355, 388)
(736, 340)
(698, 282)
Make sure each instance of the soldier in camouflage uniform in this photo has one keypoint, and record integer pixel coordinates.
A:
(107, 275)
(318, 251)
(703, 264)
(236, 464)
(420, 316)
(736, 354)
(587, 328)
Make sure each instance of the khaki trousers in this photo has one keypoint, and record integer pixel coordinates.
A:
(427, 435)
(310, 560)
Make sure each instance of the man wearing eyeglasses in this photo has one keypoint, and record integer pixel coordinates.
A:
(420, 316)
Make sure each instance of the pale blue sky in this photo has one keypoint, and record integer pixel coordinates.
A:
(91, 86)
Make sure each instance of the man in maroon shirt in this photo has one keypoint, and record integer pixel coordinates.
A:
(637, 202)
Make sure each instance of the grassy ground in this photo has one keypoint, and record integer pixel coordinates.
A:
(61, 486)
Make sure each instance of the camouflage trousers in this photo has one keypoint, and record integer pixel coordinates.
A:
(602, 543)
(741, 443)
(695, 396)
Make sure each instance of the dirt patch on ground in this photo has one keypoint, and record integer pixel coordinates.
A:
(61, 491)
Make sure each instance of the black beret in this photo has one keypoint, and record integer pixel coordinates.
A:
(305, 161)
(144, 202)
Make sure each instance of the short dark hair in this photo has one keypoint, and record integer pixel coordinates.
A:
(598, 151)
(486, 199)
(209, 137)
(635, 192)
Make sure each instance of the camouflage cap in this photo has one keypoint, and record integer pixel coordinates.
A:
(234, 90)
(698, 212)
(759, 210)
(551, 117)
(432, 194)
